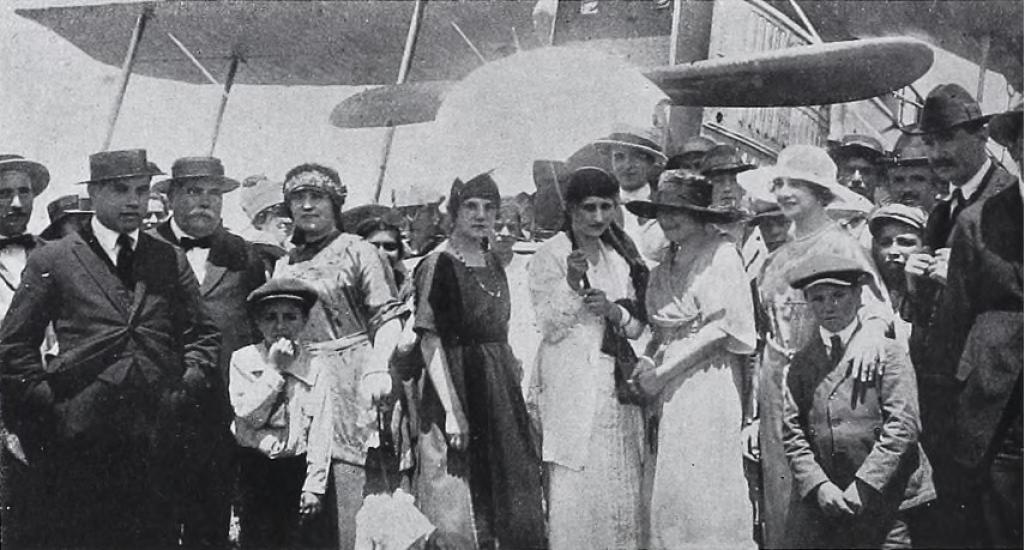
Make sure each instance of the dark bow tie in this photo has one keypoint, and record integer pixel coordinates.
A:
(24, 240)
(188, 243)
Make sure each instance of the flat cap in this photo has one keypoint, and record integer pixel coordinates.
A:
(826, 268)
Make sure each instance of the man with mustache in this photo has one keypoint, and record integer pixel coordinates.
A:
(21, 181)
(955, 134)
(910, 179)
(979, 325)
(228, 268)
(100, 421)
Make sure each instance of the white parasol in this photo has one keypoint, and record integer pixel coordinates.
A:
(543, 103)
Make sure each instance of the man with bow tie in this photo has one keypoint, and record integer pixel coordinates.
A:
(100, 422)
(21, 181)
(228, 268)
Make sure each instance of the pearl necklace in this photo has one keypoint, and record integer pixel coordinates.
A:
(455, 253)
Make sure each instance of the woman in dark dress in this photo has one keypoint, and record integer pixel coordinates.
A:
(478, 474)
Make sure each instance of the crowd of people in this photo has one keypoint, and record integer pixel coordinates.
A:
(825, 352)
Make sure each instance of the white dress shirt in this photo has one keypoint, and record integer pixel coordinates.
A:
(197, 256)
(970, 187)
(108, 239)
(647, 235)
(845, 334)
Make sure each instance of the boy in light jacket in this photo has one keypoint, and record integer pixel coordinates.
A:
(851, 444)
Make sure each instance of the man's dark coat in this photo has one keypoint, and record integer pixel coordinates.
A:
(102, 418)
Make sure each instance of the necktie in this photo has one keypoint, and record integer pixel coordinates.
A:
(835, 349)
(24, 240)
(188, 243)
(957, 204)
(125, 256)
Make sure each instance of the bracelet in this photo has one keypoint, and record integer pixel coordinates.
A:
(625, 318)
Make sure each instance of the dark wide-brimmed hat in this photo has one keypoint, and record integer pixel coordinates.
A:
(858, 145)
(1005, 127)
(826, 269)
(194, 168)
(684, 191)
(59, 209)
(37, 173)
(284, 289)
(948, 106)
(114, 165)
(723, 159)
(642, 139)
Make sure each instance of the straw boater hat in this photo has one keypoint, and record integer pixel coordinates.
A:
(284, 289)
(641, 139)
(114, 165)
(189, 168)
(684, 191)
(948, 106)
(1005, 127)
(826, 269)
(61, 208)
(37, 173)
(911, 216)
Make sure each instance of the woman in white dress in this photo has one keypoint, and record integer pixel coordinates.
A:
(587, 285)
(701, 314)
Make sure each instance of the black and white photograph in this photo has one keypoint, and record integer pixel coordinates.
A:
(511, 274)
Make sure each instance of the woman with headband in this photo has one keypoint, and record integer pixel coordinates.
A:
(353, 327)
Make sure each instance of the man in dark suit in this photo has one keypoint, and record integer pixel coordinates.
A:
(136, 348)
(228, 269)
(21, 181)
(980, 326)
(955, 134)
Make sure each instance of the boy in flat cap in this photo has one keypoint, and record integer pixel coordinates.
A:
(282, 421)
(852, 447)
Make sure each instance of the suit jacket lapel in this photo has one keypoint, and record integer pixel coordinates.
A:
(214, 274)
(99, 269)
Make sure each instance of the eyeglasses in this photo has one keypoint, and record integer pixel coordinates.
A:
(389, 246)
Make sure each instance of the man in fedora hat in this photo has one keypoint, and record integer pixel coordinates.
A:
(228, 268)
(136, 350)
(21, 181)
(859, 166)
(977, 342)
(955, 134)
(910, 180)
(637, 160)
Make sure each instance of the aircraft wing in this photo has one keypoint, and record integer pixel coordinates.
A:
(818, 74)
(317, 43)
